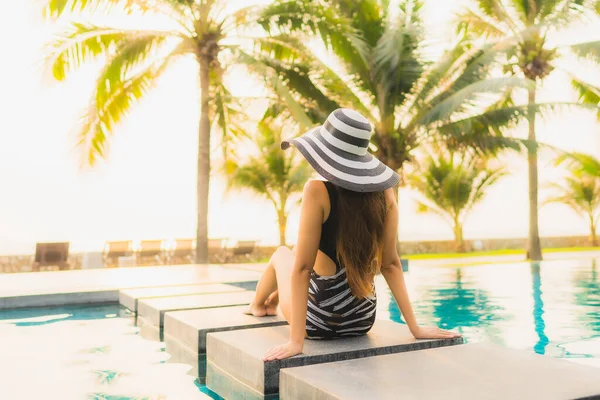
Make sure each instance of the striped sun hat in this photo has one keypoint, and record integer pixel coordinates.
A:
(337, 150)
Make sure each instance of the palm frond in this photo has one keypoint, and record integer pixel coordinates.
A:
(458, 101)
(483, 25)
(229, 116)
(130, 54)
(588, 93)
(79, 44)
(366, 17)
(397, 62)
(253, 175)
(468, 68)
(318, 18)
(587, 50)
(272, 72)
(487, 178)
(505, 117)
(433, 76)
(55, 8)
(428, 208)
(105, 112)
(580, 164)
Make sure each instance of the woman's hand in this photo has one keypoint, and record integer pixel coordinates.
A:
(426, 332)
(287, 350)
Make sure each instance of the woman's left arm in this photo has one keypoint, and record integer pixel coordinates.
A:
(391, 269)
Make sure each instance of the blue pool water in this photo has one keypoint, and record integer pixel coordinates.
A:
(97, 352)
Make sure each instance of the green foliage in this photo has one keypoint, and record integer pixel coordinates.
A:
(581, 194)
(134, 60)
(270, 172)
(580, 189)
(452, 184)
(387, 78)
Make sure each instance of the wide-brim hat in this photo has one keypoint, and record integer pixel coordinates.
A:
(337, 150)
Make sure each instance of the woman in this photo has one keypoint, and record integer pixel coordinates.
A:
(348, 232)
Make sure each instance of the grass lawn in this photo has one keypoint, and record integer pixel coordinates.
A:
(506, 252)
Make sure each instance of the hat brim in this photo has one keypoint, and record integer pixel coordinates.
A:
(350, 171)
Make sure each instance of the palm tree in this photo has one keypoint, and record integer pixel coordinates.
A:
(527, 23)
(273, 174)
(581, 190)
(451, 185)
(384, 74)
(381, 71)
(134, 59)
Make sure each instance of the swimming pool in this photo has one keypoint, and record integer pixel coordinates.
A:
(97, 353)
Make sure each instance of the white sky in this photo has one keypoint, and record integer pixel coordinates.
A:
(146, 189)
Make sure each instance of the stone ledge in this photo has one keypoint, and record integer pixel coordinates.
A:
(129, 297)
(185, 332)
(153, 310)
(235, 368)
(470, 371)
(60, 299)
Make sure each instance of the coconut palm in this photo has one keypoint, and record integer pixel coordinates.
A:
(451, 185)
(134, 59)
(271, 173)
(581, 189)
(384, 74)
(382, 71)
(528, 24)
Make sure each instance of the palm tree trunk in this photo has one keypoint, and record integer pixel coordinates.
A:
(282, 219)
(203, 164)
(593, 237)
(458, 237)
(534, 251)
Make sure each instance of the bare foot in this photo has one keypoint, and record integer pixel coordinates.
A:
(271, 309)
(257, 311)
(271, 303)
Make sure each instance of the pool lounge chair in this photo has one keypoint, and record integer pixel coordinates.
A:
(182, 252)
(151, 250)
(50, 255)
(114, 250)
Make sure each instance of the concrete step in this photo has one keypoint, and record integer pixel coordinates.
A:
(234, 359)
(470, 371)
(129, 297)
(151, 312)
(185, 332)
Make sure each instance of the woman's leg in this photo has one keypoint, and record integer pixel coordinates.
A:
(274, 286)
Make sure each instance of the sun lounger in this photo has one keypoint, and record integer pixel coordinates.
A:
(182, 252)
(217, 249)
(51, 254)
(151, 251)
(114, 250)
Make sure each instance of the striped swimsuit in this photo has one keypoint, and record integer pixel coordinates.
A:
(333, 311)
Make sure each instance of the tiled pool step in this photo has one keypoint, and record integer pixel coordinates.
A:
(235, 368)
(470, 371)
(129, 297)
(59, 288)
(185, 332)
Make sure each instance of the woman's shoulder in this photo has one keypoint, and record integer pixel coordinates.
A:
(315, 187)
(315, 191)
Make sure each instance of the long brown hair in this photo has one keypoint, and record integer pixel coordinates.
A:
(360, 234)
